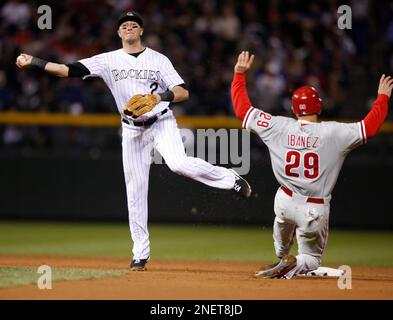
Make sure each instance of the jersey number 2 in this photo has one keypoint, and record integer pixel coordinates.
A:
(153, 87)
(310, 163)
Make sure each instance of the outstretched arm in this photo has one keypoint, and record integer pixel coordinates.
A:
(240, 99)
(56, 69)
(377, 115)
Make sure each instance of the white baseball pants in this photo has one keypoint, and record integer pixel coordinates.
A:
(310, 223)
(138, 144)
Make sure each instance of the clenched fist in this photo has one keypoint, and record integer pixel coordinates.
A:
(24, 61)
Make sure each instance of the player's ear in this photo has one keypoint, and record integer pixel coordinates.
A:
(141, 32)
(118, 33)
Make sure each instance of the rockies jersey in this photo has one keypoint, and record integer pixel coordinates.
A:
(306, 157)
(127, 75)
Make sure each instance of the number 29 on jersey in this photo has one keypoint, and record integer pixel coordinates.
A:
(297, 164)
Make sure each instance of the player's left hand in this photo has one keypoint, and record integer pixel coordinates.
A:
(244, 62)
(385, 85)
(140, 104)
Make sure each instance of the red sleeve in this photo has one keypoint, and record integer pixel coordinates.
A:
(375, 118)
(240, 100)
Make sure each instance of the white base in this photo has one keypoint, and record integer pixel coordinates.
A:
(324, 272)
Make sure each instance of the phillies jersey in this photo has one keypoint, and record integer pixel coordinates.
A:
(127, 75)
(306, 156)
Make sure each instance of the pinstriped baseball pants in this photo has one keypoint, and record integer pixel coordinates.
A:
(138, 144)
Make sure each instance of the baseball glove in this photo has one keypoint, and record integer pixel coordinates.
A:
(140, 104)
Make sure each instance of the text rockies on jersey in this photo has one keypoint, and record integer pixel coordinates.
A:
(136, 74)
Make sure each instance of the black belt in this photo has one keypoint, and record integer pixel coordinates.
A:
(146, 123)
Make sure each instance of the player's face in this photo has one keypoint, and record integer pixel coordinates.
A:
(130, 31)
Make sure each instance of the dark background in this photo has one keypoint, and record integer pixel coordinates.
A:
(91, 187)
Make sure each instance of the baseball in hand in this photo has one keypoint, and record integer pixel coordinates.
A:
(21, 59)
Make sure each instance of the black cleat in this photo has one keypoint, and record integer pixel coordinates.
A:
(278, 270)
(139, 264)
(241, 185)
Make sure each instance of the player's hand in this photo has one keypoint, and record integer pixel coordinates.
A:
(244, 62)
(385, 85)
(23, 60)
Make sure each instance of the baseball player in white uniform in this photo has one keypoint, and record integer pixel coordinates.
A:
(306, 157)
(131, 70)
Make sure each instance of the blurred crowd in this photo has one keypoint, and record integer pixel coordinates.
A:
(295, 43)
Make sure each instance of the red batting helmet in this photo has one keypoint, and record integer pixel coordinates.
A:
(306, 100)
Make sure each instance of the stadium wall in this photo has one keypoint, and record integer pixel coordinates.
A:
(81, 188)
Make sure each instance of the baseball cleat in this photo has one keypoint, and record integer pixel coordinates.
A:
(139, 264)
(268, 266)
(241, 185)
(278, 270)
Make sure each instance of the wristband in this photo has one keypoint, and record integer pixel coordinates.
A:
(167, 96)
(40, 63)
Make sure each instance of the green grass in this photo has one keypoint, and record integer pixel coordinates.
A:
(16, 276)
(229, 243)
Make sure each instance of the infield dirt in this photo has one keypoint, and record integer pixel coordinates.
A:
(190, 280)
